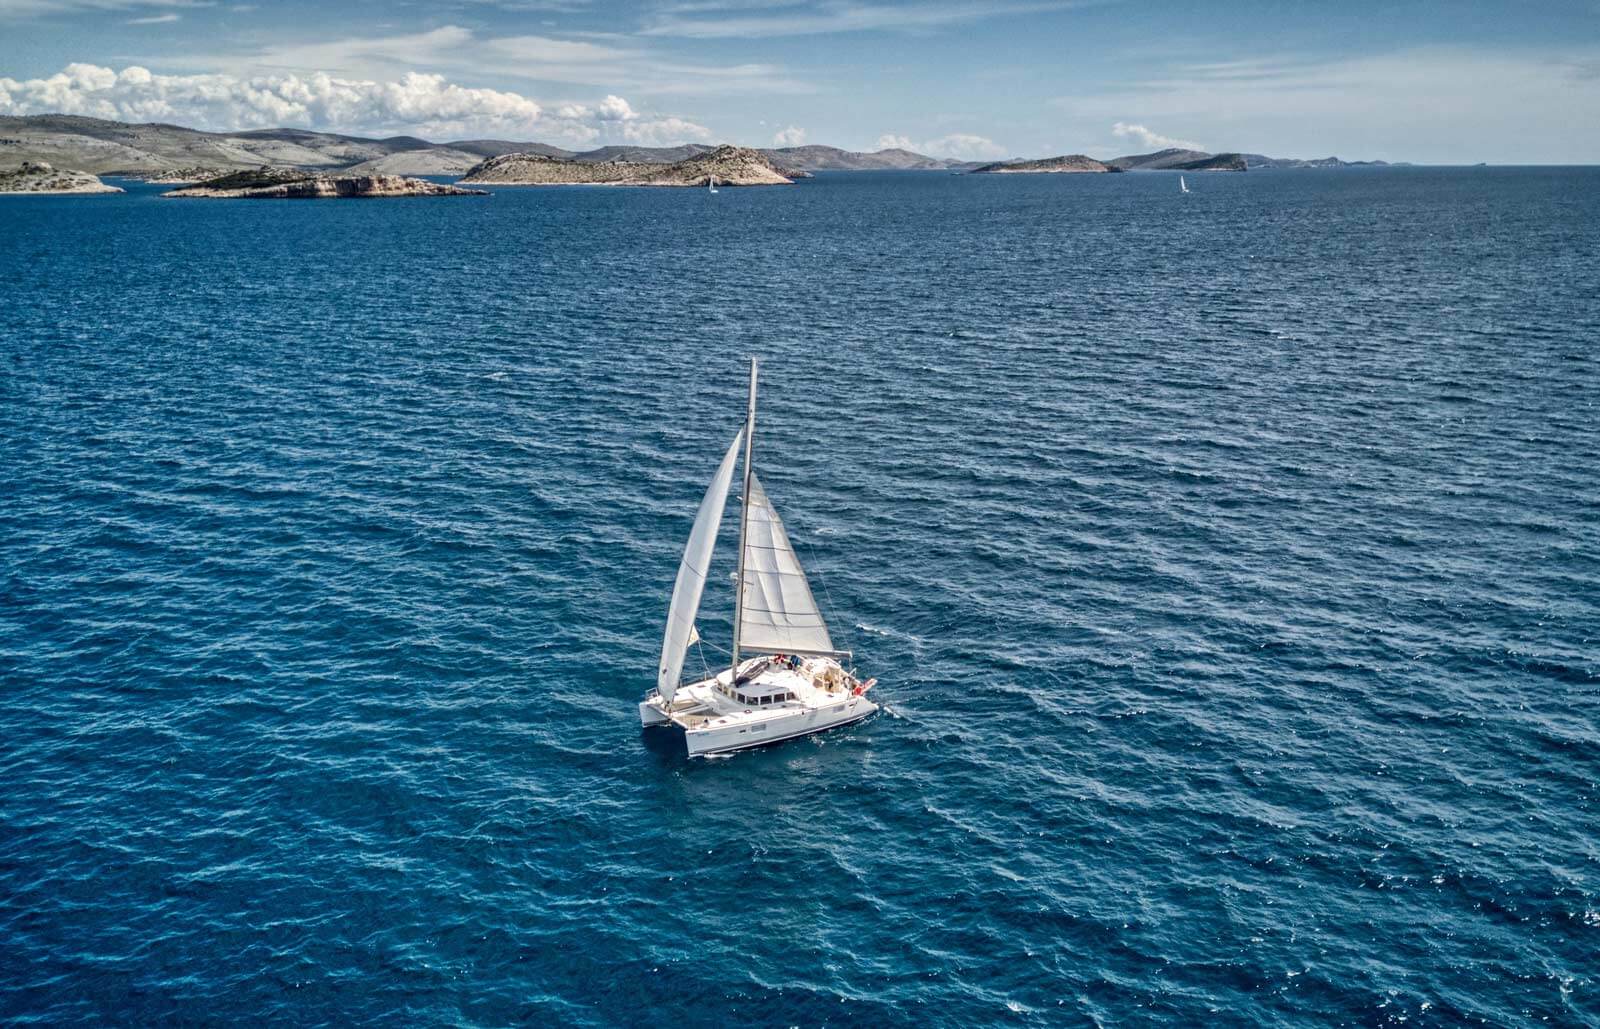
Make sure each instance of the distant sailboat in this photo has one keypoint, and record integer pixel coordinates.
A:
(711, 184)
(795, 685)
(1182, 184)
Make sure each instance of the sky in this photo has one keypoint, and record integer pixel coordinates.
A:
(1431, 81)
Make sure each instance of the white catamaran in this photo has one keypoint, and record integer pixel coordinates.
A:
(794, 684)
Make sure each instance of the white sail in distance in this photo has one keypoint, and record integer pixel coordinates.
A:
(778, 614)
(692, 573)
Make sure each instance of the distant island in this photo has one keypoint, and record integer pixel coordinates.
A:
(1174, 159)
(1045, 166)
(1171, 159)
(726, 166)
(173, 153)
(1263, 161)
(286, 184)
(42, 177)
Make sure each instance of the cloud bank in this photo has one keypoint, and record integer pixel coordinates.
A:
(957, 146)
(1152, 140)
(794, 135)
(417, 102)
(21, 9)
(762, 19)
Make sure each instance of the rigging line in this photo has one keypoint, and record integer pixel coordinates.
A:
(705, 669)
(811, 558)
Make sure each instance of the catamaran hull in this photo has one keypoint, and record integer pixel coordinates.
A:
(725, 739)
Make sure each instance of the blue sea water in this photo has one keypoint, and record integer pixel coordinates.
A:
(1230, 564)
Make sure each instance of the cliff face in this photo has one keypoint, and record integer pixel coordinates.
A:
(731, 166)
(278, 184)
(1066, 163)
(40, 177)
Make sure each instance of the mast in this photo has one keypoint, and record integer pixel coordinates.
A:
(744, 523)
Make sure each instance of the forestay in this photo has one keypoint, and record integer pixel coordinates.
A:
(779, 614)
(692, 573)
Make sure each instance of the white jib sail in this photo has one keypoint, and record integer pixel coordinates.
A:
(779, 613)
(692, 573)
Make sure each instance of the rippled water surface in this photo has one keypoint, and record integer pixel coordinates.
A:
(1230, 564)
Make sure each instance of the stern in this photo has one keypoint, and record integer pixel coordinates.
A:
(651, 712)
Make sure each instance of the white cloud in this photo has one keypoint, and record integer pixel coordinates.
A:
(16, 9)
(425, 104)
(369, 56)
(957, 146)
(664, 132)
(155, 19)
(691, 21)
(794, 135)
(455, 50)
(1151, 140)
(614, 108)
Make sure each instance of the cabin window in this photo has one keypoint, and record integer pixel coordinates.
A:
(766, 700)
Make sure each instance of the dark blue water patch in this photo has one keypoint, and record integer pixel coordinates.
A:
(1228, 562)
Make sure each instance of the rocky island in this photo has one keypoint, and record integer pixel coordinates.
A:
(292, 184)
(40, 177)
(1047, 165)
(729, 165)
(184, 176)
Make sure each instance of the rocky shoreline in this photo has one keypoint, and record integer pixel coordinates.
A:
(727, 165)
(280, 184)
(41, 177)
(184, 176)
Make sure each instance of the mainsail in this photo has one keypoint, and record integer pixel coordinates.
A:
(692, 573)
(778, 613)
